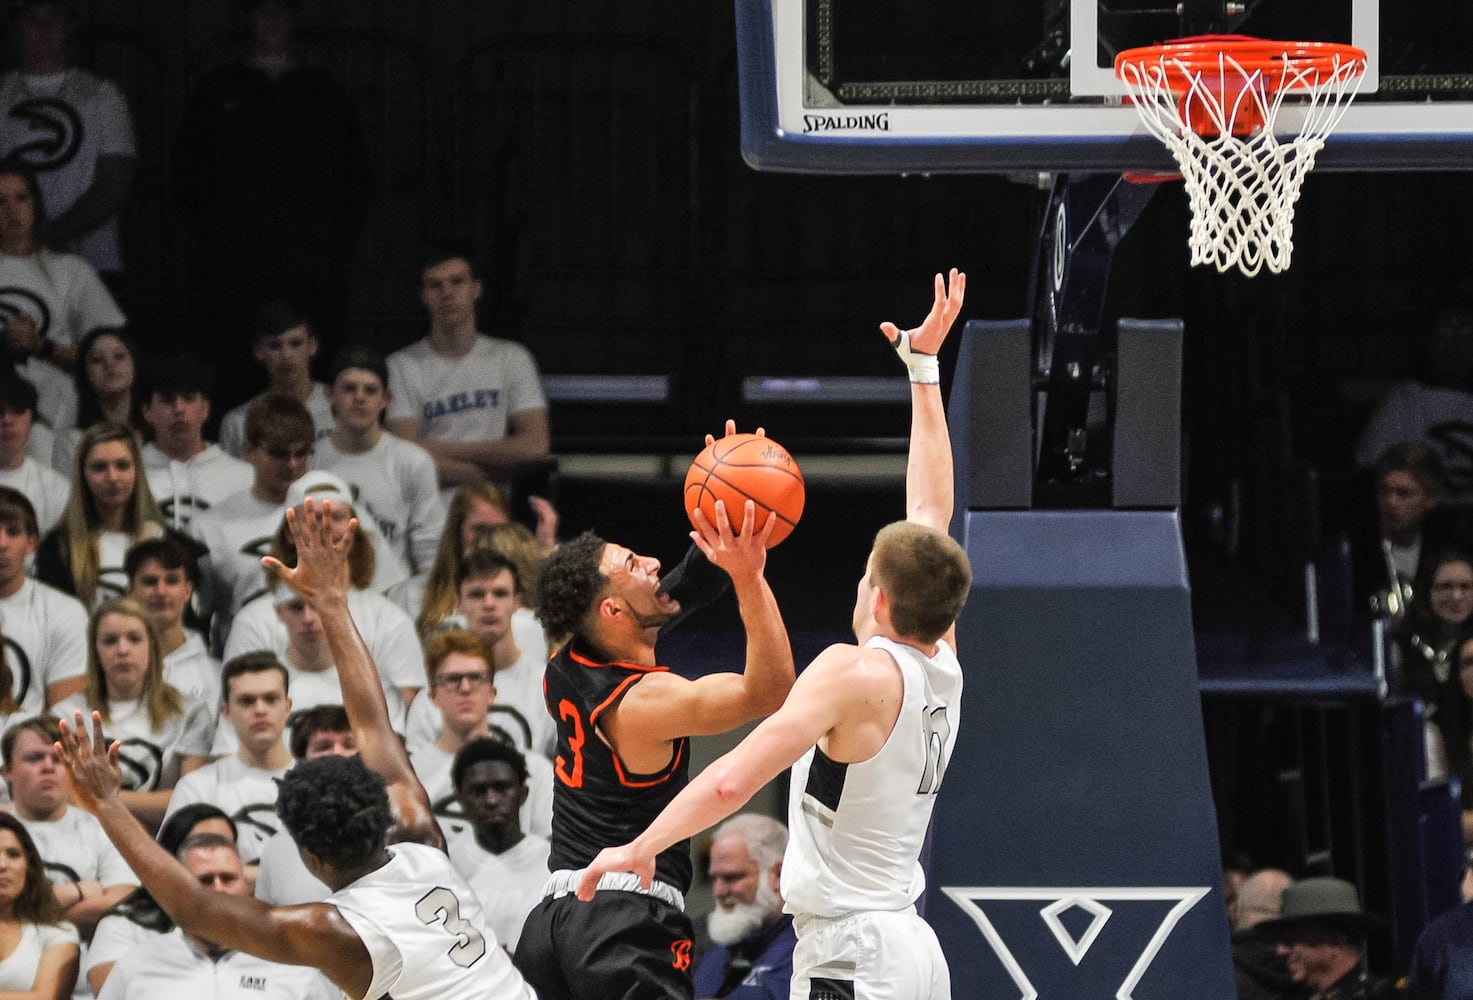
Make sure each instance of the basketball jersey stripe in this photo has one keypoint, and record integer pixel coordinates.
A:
(831, 989)
(825, 782)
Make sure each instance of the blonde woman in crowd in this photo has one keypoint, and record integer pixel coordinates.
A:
(109, 509)
(164, 733)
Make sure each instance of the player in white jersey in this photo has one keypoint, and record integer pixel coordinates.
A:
(870, 728)
(400, 921)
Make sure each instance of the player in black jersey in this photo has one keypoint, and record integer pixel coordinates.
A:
(624, 724)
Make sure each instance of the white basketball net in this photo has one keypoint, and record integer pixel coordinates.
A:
(1242, 188)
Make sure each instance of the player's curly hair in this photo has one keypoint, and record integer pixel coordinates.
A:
(570, 583)
(336, 808)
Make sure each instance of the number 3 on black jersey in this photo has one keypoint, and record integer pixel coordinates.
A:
(569, 769)
(441, 905)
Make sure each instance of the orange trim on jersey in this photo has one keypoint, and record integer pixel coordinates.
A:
(582, 660)
(619, 691)
(614, 696)
(658, 779)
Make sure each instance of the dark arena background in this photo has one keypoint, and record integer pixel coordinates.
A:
(590, 152)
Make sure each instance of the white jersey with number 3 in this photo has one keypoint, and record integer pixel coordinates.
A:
(855, 831)
(423, 928)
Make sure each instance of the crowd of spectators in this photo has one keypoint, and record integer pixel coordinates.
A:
(131, 581)
(130, 542)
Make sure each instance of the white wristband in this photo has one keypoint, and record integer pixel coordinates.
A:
(925, 369)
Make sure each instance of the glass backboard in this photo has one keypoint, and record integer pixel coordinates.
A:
(902, 86)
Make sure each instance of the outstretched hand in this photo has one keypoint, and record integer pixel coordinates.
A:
(616, 859)
(322, 571)
(931, 334)
(94, 771)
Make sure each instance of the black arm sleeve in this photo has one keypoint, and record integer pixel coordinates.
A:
(695, 583)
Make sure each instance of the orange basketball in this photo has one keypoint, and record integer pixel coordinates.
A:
(744, 467)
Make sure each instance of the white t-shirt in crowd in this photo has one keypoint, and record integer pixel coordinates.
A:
(196, 673)
(114, 937)
(46, 488)
(170, 967)
(246, 794)
(395, 480)
(18, 969)
(45, 634)
(65, 298)
(75, 847)
(238, 532)
(149, 757)
(232, 425)
(60, 124)
(186, 489)
(432, 767)
(508, 884)
(282, 878)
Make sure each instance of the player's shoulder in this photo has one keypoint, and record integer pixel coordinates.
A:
(850, 659)
(857, 672)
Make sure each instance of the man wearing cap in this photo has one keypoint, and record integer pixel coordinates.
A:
(392, 477)
(1261, 972)
(284, 345)
(387, 629)
(1322, 936)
